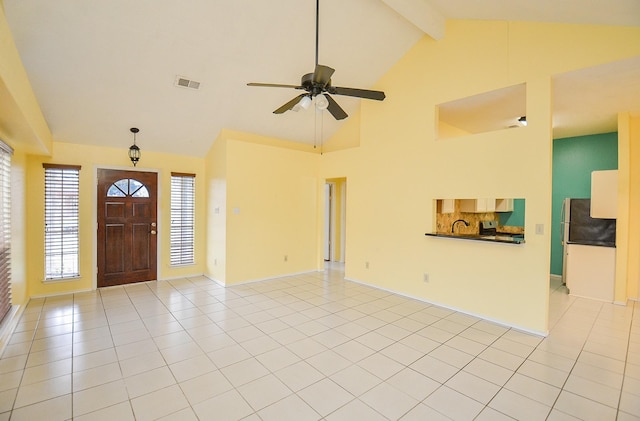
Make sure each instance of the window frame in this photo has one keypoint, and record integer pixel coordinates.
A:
(182, 219)
(61, 220)
(5, 230)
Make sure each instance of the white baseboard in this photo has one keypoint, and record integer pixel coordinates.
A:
(57, 294)
(9, 324)
(555, 277)
(173, 278)
(212, 279)
(269, 278)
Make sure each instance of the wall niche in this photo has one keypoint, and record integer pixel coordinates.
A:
(503, 108)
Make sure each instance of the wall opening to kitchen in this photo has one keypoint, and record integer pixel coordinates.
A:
(466, 216)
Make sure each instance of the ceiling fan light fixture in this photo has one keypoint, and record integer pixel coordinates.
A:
(321, 102)
(304, 103)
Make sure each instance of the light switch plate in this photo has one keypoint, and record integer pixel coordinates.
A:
(539, 229)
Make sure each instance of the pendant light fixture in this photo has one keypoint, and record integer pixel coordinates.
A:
(134, 150)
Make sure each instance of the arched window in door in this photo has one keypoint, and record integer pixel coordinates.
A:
(127, 187)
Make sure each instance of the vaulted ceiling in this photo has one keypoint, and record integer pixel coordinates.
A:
(99, 68)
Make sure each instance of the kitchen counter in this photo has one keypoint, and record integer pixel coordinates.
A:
(499, 238)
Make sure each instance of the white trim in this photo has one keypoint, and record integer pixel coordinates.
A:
(61, 280)
(57, 294)
(175, 278)
(270, 278)
(555, 277)
(217, 281)
(9, 324)
(500, 322)
(594, 299)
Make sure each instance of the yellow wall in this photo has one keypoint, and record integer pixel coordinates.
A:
(400, 168)
(628, 225)
(23, 127)
(634, 209)
(91, 158)
(271, 211)
(21, 120)
(347, 137)
(261, 207)
(216, 209)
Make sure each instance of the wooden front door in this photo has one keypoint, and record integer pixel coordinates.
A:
(127, 228)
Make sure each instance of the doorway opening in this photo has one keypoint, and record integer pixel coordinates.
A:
(335, 195)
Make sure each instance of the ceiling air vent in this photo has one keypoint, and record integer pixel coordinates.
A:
(187, 83)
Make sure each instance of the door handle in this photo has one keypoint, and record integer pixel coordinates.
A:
(153, 232)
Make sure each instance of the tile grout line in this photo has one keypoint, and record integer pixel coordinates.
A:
(626, 360)
(24, 368)
(575, 362)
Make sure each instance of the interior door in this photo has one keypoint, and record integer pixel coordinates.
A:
(127, 228)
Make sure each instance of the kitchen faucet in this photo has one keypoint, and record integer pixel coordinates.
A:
(455, 222)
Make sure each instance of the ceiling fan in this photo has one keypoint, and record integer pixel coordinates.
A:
(318, 85)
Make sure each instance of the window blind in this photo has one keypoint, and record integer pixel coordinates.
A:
(5, 229)
(182, 218)
(61, 213)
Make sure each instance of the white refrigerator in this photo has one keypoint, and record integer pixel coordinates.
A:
(589, 253)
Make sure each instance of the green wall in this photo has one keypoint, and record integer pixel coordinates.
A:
(515, 218)
(574, 158)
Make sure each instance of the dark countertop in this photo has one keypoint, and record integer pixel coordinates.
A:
(500, 238)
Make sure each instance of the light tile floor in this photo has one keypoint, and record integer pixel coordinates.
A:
(311, 347)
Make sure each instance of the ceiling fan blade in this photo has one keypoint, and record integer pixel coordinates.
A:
(360, 93)
(336, 111)
(274, 85)
(289, 105)
(322, 75)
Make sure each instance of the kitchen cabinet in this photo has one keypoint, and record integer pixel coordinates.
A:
(447, 205)
(604, 194)
(477, 205)
(504, 205)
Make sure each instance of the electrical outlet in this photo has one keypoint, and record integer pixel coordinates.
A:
(425, 277)
(366, 265)
(286, 258)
